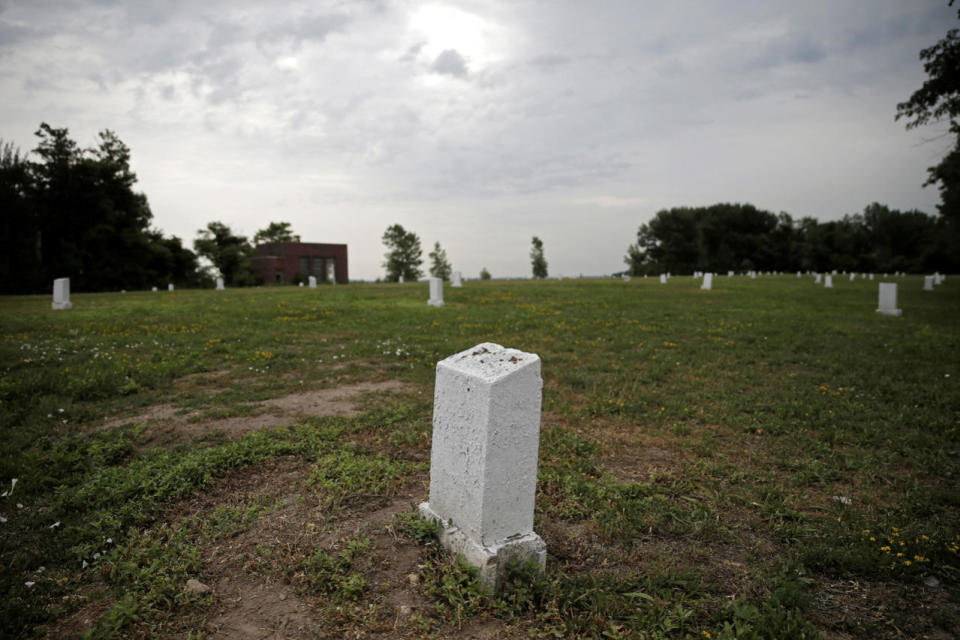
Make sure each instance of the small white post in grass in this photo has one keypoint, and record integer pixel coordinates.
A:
(220, 284)
(707, 282)
(436, 292)
(456, 279)
(928, 283)
(170, 287)
(888, 299)
(61, 294)
(483, 460)
(828, 281)
(313, 282)
(663, 278)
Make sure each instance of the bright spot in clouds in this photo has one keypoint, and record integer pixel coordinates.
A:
(446, 28)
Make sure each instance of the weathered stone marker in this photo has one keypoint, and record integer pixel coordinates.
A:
(313, 282)
(170, 287)
(853, 277)
(816, 278)
(729, 274)
(663, 278)
(483, 461)
(888, 299)
(928, 283)
(61, 294)
(436, 292)
(707, 282)
(456, 279)
(828, 281)
(220, 284)
(154, 289)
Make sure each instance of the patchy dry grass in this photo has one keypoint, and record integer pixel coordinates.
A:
(766, 460)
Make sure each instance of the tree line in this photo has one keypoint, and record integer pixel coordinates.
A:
(403, 258)
(74, 212)
(741, 237)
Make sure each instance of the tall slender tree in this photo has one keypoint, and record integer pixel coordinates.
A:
(538, 262)
(439, 266)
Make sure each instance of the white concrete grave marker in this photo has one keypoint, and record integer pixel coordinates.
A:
(436, 292)
(456, 279)
(928, 283)
(400, 279)
(707, 282)
(220, 284)
(313, 282)
(625, 277)
(828, 282)
(299, 284)
(937, 278)
(170, 287)
(61, 294)
(729, 274)
(154, 289)
(888, 299)
(663, 278)
(753, 275)
(816, 278)
(853, 277)
(483, 460)
(871, 277)
(798, 275)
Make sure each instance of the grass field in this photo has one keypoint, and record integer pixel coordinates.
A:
(770, 459)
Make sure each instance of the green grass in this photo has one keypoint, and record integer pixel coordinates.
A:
(695, 449)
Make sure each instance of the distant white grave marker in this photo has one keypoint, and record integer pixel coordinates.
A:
(828, 282)
(220, 284)
(483, 459)
(61, 294)
(663, 278)
(170, 287)
(853, 277)
(436, 292)
(888, 299)
(313, 282)
(456, 279)
(928, 283)
(816, 278)
(730, 274)
(154, 289)
(400, 279)
(871, 277)
(707, 282)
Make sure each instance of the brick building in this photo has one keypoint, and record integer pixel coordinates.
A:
(285, 261)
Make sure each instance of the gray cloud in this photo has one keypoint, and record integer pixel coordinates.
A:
(451, 63)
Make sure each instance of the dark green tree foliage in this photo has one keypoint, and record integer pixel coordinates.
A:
(439, 265)
(229, 253)
(538, 262)
(741, 237)
(938, 100)
(484, 274)
(74, 213)
(275, 232)
(403, 255)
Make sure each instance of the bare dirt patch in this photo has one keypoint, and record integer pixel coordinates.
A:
(166, 422)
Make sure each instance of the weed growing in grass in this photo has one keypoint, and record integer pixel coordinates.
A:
(331, 574)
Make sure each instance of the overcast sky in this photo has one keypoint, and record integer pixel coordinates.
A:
(480, 123)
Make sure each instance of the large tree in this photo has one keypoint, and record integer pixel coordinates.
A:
(275, 232)
(72, 212)
(439, 265)
(403, 257)
(938, 101)
(537, 261)
(229, 253)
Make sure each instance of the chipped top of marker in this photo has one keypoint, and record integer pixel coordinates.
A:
(489, 361)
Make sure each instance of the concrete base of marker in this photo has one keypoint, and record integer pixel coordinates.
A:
(492, 561)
